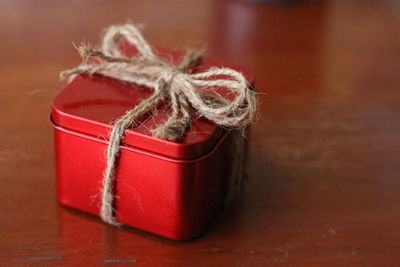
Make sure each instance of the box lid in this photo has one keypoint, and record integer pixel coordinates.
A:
(90, 104)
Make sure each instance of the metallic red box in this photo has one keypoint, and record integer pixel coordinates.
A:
(168, 188)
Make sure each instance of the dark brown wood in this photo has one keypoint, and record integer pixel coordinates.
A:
(324, 187)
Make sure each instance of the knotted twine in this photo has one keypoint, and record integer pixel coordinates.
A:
(184, 90)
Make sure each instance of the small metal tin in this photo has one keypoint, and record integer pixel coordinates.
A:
(172, 189)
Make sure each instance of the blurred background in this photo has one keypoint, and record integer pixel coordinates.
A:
(324, 173)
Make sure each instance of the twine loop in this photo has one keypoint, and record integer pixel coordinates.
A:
(184, 90)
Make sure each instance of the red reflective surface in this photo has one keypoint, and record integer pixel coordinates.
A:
(90, 104)
(172, 198)
(169, 188)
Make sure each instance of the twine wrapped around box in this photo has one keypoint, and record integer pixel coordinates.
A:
(184, 91)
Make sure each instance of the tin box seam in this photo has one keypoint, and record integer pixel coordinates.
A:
(144, 152)
(56, 112)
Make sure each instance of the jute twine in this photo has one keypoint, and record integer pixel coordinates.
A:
(184, 91)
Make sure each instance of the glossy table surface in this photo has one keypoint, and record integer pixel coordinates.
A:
(324, 172)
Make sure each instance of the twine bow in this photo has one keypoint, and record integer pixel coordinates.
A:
(184, 91)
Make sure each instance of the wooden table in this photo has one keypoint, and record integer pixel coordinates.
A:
(324, 186)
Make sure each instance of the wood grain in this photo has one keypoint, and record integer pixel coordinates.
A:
(324, 186)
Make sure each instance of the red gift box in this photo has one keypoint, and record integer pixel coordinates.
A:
(168, 188)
